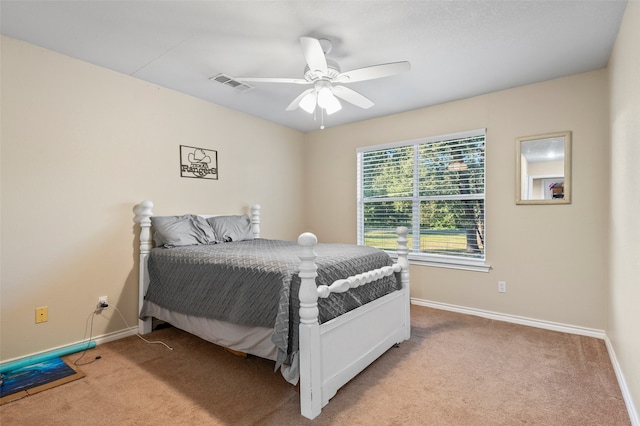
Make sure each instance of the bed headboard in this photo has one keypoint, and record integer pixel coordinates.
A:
(143, 213)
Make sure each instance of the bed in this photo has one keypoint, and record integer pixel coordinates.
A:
(322, 312)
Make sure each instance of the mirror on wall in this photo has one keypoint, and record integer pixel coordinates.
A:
(543, 169)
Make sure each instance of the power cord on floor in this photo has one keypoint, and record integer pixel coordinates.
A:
(77, 361)
(151, 342)
(92, 315)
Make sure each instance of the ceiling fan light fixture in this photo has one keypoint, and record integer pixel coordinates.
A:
(308, 103)
(332, 105)
(327, 100)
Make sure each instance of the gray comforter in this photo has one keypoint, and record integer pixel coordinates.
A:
(256, 283)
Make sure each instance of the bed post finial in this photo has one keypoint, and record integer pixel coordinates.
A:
(143, 217)
(255, 220)
(403, 249)
(308, 274)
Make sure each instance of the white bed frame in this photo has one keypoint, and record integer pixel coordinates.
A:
(361, 335)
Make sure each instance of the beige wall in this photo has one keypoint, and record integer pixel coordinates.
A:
(80, 146)
(553, 258)
(623, 327)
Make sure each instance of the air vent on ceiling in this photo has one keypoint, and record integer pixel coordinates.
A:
(229, 81)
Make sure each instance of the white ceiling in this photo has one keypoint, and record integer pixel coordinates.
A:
(457, 49)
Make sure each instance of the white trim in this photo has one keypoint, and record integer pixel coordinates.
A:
(531, 322)
(626, 395)
(450, 262)
(457, 135)
(464, 264)
(116, 335)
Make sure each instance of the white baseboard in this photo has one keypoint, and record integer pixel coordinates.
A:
(548, 325)
(99, 340)
(565, 328)
(633, 414)
(131, 331)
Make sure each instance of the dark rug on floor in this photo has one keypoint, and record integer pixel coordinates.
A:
(34, 378)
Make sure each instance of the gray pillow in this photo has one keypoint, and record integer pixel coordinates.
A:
(231, 228)
(185, 230)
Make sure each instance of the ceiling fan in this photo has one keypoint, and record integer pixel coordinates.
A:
(327, 79)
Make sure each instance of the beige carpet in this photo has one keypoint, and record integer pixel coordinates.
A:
(456, 370)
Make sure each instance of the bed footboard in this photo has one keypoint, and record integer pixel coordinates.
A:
(333, 353)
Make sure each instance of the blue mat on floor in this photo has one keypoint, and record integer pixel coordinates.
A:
(35, 378)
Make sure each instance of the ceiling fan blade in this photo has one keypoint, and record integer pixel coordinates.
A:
(314, 55)
(352, 97)
(305, 100)
(274, 80)
(373, 72)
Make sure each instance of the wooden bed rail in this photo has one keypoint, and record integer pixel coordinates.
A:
(340, 286)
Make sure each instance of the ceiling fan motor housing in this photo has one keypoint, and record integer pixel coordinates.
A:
(333, 70)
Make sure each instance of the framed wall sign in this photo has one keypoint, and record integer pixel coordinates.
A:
(198, 163)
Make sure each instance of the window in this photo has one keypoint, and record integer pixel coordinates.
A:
(433, 186)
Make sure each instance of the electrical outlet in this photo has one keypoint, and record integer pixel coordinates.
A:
(103, 302)
(502, 286)
(42, 314)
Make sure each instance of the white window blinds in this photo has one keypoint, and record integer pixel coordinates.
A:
(433, 186)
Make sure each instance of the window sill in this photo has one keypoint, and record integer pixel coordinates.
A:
(445, 262)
